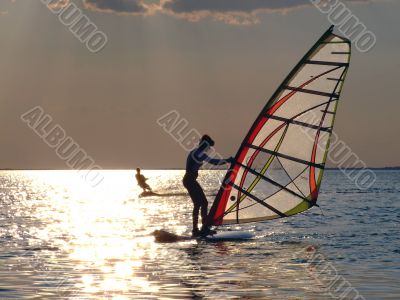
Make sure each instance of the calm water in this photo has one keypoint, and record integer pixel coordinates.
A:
(62, 239)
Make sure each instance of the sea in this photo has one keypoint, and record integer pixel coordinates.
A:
(63, 238)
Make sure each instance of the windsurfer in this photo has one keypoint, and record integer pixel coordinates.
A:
(194, 161)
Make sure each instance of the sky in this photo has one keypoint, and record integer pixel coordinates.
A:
(214, 62)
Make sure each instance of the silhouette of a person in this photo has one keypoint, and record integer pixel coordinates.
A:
(141, 181)
(194, 161)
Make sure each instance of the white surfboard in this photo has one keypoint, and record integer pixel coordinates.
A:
(230, 236)
(163, 236)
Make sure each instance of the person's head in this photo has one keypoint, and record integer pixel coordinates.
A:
(138, 170)
(206, 142)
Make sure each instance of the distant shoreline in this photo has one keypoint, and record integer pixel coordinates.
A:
(180, 169)
(372, 168)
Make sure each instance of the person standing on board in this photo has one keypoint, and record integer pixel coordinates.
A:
(194, 161)
(141, 181)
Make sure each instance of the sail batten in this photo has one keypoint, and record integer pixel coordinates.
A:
(295, 159)
(308, 91)
(279, 166)
(292, 121)
(326, 63)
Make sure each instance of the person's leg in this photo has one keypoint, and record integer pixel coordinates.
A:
(201, 200)
(195, 217)
(190, 185)
(204, 212)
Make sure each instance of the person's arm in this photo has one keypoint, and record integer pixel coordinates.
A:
(216, 161)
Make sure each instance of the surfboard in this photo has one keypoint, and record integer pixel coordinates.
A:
(230, 236)
(163, 236)
(148, 194)
(154, 194)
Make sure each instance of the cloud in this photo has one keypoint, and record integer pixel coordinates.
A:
(58, 4)
(236, 12)
(231, 6)
(242, 12)
(118, 6)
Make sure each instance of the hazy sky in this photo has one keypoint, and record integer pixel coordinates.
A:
(216, 62)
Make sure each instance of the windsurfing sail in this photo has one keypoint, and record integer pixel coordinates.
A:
(278, 169)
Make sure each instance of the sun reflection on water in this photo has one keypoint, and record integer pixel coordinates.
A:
(107, 229)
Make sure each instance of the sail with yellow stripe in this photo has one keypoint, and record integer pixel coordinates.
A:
(278, 169)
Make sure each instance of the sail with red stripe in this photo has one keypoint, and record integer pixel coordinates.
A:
(279, 167)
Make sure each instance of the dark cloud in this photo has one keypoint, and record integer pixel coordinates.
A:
(245, 6)
(117, 6)
(239, 12)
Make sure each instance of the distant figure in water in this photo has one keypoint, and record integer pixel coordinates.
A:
(141, 181)
(194, 161)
